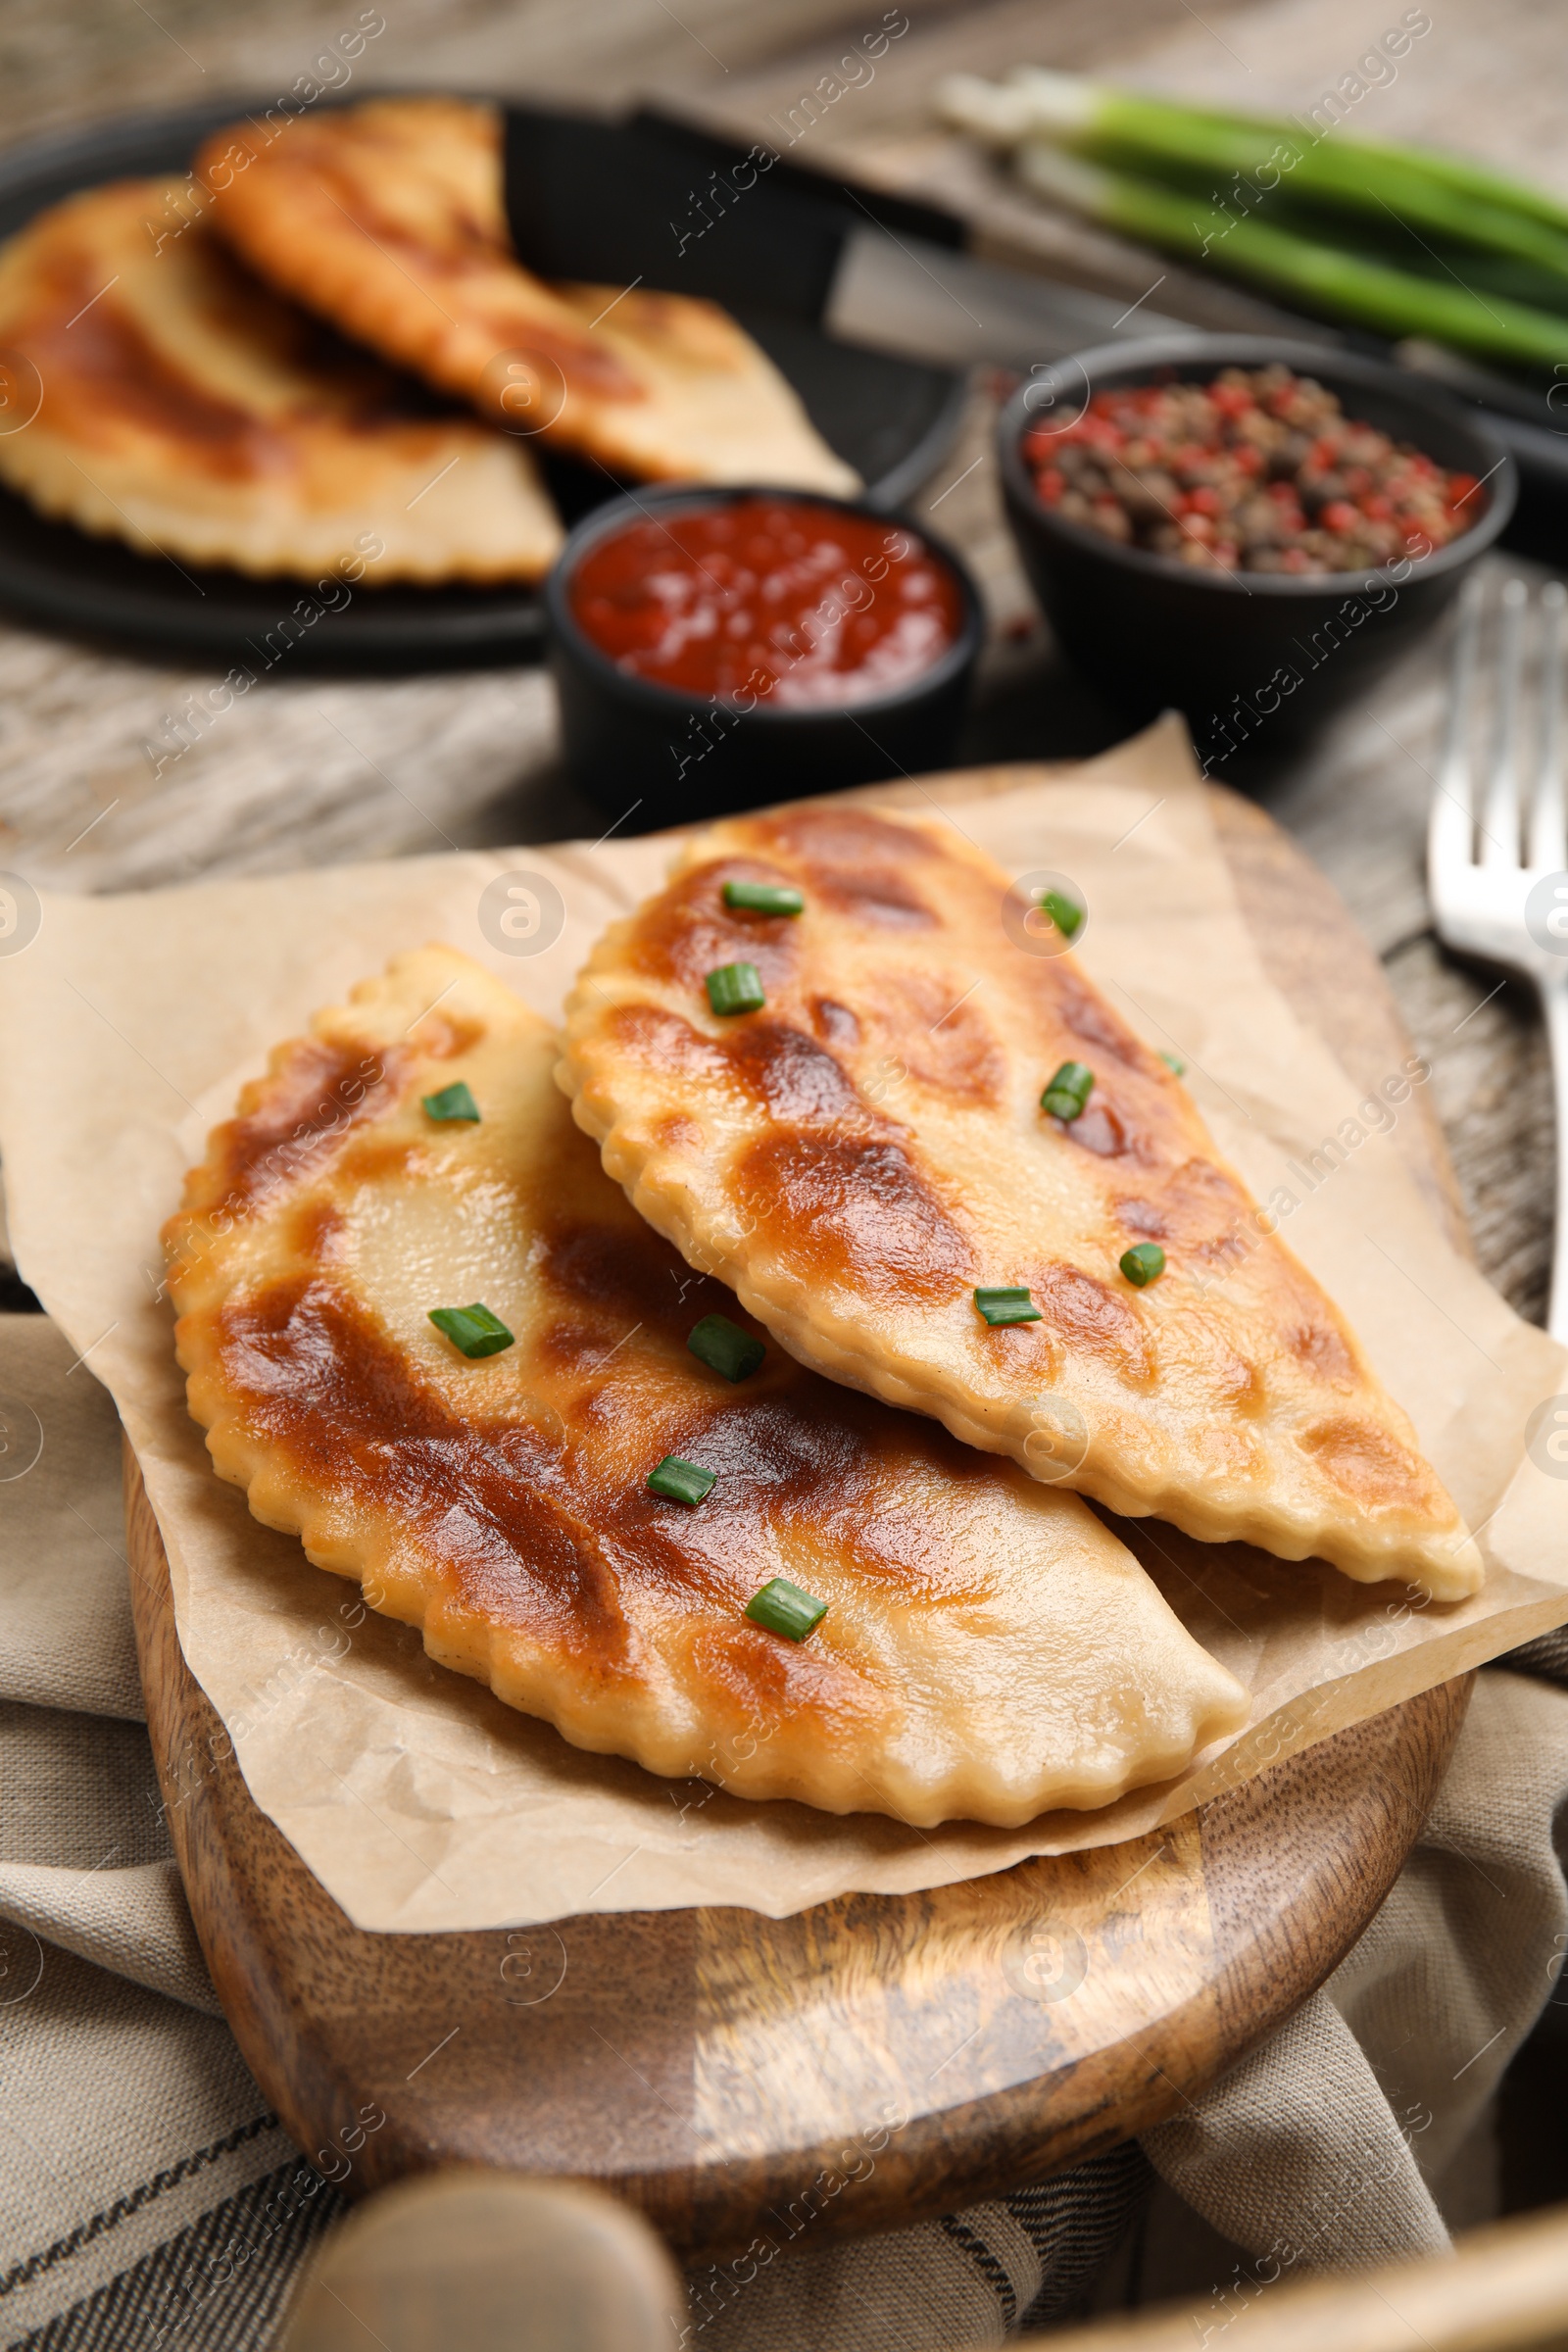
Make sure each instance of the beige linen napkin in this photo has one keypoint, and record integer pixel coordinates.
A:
(128, 2121)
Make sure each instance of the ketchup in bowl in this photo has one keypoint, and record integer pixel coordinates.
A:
(785, 600)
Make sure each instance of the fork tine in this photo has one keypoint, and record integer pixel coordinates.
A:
(1548, 841)
(1499, 824)
(1450, 829)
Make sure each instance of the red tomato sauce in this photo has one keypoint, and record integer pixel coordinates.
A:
(775, 599)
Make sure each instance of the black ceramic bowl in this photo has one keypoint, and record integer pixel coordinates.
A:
(1240, 650)
(685, 756)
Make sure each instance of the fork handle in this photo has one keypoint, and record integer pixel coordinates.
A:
(1554, 1004)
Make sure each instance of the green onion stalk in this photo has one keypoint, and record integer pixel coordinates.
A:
(1323, 278)
(1423, 192)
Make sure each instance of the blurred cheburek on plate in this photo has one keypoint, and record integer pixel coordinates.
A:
(389, 219)
(990, 1650)
(164, 389)
(183, 406)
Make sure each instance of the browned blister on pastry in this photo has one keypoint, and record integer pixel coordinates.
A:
(989, 1650)
(860, 1155)
(388, 219)
(178, 404)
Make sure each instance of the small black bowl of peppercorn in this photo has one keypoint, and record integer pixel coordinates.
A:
(1246, 529)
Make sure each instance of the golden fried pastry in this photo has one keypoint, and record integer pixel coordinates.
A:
(389, 219)
(182, 407)
(989, 1650)
(867, 1158)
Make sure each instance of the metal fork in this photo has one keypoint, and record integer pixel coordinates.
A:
(1496, 852)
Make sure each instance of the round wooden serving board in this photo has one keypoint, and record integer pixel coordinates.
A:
(892, 2055)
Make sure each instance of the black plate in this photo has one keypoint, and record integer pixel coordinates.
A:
(891, 419)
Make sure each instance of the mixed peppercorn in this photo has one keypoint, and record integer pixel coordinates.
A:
(1259, 470)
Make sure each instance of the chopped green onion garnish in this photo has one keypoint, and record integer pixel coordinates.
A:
(682, 1482)
(736, 987)
(1007, 1307)
(451, 1103)
(1174, 1061)
(785, 1609)
(1142, 1263)
(764, 898)
(473, 1329)
(1064, 1098)
(724, 1348)
(1062, 911)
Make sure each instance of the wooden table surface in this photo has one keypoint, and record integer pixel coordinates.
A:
(316, 771)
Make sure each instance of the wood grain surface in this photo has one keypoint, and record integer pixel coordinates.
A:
(877, 2058)
(487, 2261)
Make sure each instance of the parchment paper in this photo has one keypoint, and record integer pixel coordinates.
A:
(126, 1025)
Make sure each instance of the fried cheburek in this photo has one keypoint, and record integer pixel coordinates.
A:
(389, 219)
(989, 1650)
(182, 407)
(857, 1214)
